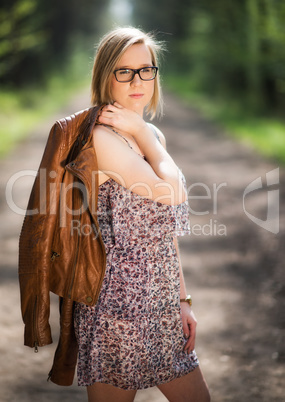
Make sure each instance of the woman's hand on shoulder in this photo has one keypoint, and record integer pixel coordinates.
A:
(127, 121)
(122, 119)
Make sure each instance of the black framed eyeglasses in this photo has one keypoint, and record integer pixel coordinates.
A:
(128, 74)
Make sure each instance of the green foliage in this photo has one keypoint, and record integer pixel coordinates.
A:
(20, 35)
(264, 133)
(234, 49)
(22, 110)
(46, 49)
(37, 37)
(228, 58)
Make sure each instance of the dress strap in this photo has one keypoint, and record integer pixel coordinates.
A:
(120, 135)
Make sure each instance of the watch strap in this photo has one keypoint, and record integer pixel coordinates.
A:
(188, 299)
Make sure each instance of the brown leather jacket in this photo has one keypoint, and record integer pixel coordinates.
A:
(61, 249)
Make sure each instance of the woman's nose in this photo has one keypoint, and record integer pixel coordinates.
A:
(136, 80)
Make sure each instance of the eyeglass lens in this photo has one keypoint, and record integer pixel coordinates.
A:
(146, 74)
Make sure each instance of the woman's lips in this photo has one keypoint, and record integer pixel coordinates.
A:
(136, 96)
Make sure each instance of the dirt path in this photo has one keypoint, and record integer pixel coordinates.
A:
(233, 268)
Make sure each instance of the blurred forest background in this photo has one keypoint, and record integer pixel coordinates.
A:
(225, 57)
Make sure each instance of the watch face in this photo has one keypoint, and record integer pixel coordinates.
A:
(188, 300)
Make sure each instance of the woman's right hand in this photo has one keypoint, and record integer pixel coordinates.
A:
(122, 119)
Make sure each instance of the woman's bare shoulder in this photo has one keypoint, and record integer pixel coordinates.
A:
(104, 137)
(101, 132)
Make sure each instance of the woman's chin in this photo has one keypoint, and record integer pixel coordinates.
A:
(135, 105)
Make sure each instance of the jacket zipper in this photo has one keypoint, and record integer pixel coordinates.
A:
(77, 246)
(53, 255)
(73, 271)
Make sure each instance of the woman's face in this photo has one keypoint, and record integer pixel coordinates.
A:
(134, 95)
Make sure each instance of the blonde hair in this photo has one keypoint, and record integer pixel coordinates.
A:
(109, 51)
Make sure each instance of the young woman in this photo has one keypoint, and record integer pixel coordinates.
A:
(141, 333)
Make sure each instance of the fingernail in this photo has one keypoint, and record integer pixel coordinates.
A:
(186, 336)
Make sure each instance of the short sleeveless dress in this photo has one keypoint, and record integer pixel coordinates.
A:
(133, 337)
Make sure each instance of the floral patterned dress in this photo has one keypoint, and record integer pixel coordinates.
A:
(133, 337)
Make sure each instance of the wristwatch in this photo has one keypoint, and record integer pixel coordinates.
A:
(188, 300)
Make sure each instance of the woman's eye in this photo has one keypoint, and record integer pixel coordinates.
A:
(124, 72)
(146, 70)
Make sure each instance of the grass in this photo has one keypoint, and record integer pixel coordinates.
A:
(265, 134)
(21, 111)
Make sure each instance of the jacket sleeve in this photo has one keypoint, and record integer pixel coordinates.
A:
(35, 242)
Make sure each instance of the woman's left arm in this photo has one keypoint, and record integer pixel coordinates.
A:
(189, 321)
